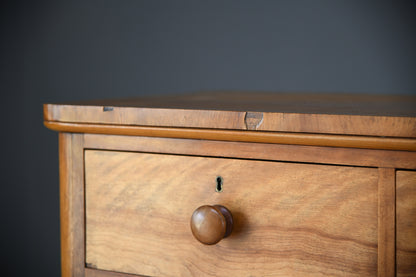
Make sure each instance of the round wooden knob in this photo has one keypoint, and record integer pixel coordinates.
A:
(210, 224)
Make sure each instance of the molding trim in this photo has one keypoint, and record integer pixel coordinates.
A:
(363, 142)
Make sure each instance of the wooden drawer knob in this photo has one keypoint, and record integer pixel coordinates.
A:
(210, 224)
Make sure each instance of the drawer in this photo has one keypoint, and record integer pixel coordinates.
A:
(290, 219)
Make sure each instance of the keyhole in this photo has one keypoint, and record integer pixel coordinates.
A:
(219, 184)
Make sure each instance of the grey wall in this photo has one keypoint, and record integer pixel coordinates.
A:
(55, 51)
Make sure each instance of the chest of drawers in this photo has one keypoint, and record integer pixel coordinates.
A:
(316, 185)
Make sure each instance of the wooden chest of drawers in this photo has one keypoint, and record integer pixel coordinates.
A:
(317, 185)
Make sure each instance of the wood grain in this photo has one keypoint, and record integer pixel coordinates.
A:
(406, 223)
(405, 144)
(290, 219)
(72, 204)
(386, 222)
(318, 218)
(264, 151)
(392, 116)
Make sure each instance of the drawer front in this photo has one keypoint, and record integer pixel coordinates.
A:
(289, 219)
(406, 223)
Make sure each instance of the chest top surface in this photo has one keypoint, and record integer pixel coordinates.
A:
(363, 121)
(232, 110)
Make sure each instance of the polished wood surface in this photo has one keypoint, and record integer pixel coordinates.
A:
(71, 157)
(390, 116)
(319, 185)
(210, 224)
(406, 223)
(386, 222)
(262, 151)
(405, 144)
(321, 220)
(309, 103)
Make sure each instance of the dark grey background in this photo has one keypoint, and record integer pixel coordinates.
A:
(55, 51)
